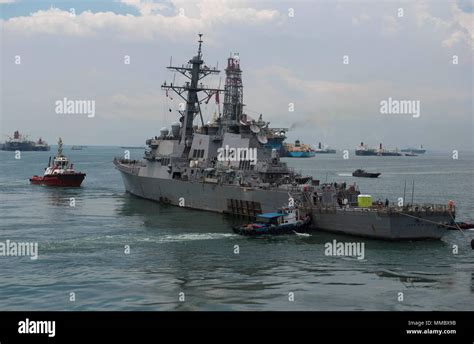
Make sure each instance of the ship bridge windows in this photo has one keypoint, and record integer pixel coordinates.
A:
(198, 153)
(245, 165)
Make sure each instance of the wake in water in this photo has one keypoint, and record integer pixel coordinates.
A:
(305, 235)
(190, 237)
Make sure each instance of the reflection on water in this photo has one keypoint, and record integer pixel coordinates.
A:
(63, 196)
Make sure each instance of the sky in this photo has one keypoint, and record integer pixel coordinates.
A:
(291, 52)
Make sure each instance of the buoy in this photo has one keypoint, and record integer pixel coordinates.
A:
(472, 244)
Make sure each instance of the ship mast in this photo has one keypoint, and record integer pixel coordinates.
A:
(233, 97)
(60, 148)
(195, 71)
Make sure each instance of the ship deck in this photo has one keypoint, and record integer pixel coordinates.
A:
(414, 210)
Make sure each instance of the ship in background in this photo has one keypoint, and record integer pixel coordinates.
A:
(59, 172)
(276, 137)
(324, 149)
(299, 150)
(184, 167)
(19, 142)
(419, 150)
(41, 145)
(363, 150)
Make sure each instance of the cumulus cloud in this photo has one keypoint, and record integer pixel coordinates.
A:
(464, 20)
(190, 17)
(458, 28)
(145, 7)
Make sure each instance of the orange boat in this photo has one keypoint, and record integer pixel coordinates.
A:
(60, 172)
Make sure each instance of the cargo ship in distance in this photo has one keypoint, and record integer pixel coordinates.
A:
(363, 150)
(19, 142)
(324, 149)
(419, 150)
(299, 150)
(183, 167)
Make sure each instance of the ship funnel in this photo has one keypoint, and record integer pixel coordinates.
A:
(164, 132)
(380, 146)
(319, 145)
(175, 129)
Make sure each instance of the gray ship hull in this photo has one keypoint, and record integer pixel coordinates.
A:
(378, 225)
(221, 199)
(205, 196)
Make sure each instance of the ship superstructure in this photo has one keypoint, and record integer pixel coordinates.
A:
(225, 166)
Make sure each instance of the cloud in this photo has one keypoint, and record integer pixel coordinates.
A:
(465, 20)
(131, 105)
(190, 17)
(145, 7)
(459, 29)
(349, 100)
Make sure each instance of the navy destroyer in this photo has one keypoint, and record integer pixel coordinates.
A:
(229, 166)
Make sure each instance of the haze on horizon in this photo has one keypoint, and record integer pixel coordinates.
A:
(290, 52)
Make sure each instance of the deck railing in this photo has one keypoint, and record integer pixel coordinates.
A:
(419, 209)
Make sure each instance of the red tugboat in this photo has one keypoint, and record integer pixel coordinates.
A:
(60, 172)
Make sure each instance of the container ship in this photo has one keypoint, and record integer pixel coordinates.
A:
(185, 167)
(299, 150)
